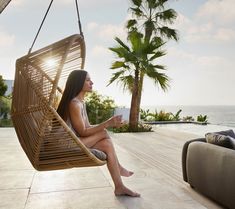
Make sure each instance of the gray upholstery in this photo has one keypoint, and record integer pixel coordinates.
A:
(210, 169)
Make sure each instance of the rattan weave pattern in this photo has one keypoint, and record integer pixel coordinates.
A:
(46, 139)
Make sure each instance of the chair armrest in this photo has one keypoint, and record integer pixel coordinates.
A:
(184, 155)
(211, 171)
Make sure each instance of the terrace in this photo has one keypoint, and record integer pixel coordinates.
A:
(155, 157)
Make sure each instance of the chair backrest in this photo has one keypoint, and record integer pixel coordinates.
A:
(46, 139)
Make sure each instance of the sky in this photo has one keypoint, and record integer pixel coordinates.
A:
(200, 65)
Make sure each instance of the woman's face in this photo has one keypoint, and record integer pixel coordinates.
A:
(87, 87)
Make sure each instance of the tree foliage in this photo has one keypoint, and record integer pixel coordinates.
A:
(3, 86)
(99, 108)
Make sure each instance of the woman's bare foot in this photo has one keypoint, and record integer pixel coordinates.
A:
(125, 172)
(124, 191)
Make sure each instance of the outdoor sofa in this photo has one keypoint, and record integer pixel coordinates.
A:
(208, 165)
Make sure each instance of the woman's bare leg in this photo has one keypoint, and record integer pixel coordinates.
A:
(106, 146)
(124, 171)
(90, 141)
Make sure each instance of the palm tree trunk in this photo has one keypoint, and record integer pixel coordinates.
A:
(141, 80)
(134, 113)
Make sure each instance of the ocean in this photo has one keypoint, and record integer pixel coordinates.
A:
(219, 117)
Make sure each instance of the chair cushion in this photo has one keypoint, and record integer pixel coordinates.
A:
(227, 133)
(232, 140)
(99, 154)
(219, 139)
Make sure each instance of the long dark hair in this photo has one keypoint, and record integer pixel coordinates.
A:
(73, 87)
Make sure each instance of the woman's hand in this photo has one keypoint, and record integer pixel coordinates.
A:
(115, 121)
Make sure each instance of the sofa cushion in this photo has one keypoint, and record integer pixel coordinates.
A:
(219, 139)
(232, 140)
(229, 132)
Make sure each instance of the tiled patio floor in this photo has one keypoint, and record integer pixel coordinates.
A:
(154, 157)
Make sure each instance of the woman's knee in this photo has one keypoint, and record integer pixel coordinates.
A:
(105, 144)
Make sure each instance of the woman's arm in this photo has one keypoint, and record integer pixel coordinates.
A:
(79, 122)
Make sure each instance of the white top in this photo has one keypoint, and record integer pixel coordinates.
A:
(82, 107)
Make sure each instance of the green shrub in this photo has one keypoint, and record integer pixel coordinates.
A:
(99, 108)
(188, 118)
(6, 123)
(202, 118)
(141, 128)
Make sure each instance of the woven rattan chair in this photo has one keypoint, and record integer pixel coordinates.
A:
(46, 139)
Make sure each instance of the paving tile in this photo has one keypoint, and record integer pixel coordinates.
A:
(13, 199)
(14, 160)
(102, 198)
(16, 179)
(76, 178)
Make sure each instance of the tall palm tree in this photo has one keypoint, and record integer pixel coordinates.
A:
(151, 17)
(133, 61)
(147, 32)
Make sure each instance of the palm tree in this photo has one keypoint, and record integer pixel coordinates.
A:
(146, 34)
(135, 60)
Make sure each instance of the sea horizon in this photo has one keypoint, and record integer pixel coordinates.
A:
(223, 115)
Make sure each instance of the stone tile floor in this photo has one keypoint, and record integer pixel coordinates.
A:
(154, 157)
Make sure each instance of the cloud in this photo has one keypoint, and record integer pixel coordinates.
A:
(99, 50)
(213, 23)
(217, 11)
(107, 31)
(181, 57)
(6, 39)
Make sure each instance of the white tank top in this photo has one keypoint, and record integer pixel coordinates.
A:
(83, 112)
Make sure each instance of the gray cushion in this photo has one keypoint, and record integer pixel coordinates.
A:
(232, 140)
(226, 133)
(219, 139)
(99, 154)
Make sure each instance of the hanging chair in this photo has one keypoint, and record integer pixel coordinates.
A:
(44, 136)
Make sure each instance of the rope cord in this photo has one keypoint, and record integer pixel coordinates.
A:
(79, 24)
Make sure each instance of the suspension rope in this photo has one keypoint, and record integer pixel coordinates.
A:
(30, 49)
(79, 24)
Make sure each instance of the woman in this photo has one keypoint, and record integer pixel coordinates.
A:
(72, 109)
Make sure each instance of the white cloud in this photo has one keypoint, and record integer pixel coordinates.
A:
(110, 31)
(199, 61)
(225, 34)
(92, 26)
(6, 39)
(210, 24)
(99, 50)
(218, 11)
(106, 31)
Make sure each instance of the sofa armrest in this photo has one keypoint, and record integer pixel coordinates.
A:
(211, 170)
(184, 155)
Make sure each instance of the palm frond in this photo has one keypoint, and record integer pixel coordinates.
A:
(157, 55)
(151, 4)
(168, 33)
(137, 11)
(115, 76)
(162, 67)
(118, 64)
(122, 43)
(159, 78)
(131, 23)
(137, 2)
(167, 16)
(136, 40)
(127, 82)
